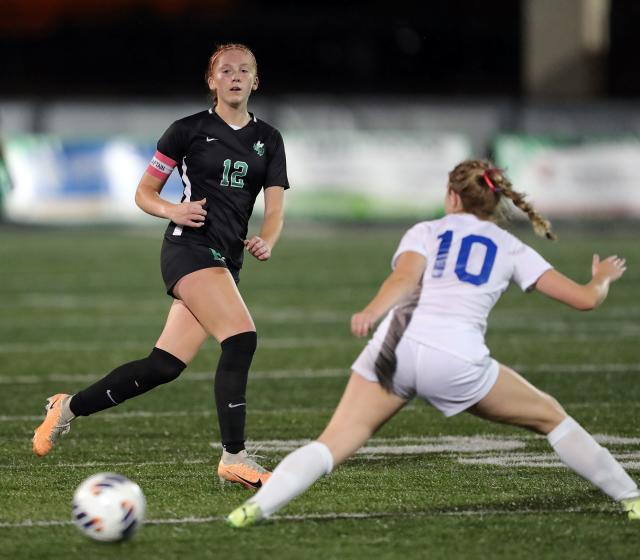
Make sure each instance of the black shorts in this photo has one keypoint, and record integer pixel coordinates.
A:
(179, 259)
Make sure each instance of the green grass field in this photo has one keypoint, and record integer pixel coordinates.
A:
(77, 303)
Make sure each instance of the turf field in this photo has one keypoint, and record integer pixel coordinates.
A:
(77, 303)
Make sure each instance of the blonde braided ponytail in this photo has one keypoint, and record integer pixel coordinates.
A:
(540, 225)
(482, 186)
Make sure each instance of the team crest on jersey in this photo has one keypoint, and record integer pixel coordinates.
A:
(259, 148)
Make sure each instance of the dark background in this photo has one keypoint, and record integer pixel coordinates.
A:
(160, 48)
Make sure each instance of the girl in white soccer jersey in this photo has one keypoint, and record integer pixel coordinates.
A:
(447, 275)
(225, 157)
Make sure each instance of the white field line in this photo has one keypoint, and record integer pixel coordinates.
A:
(53, 300)
(311, 373)
(292, 315)
(594, 405)
(380, 447)
(48, 299)
(116, 416)
(96, 464)
(94, 346)
(630, 461)
(446, 444)
(503, 320)
(205, 376)
(186, 376)
(525, 325)
(50, 346)
(377, 446)
(580, 368)
(319, 517)
(607, 439)
(454, 443)
(605, 311)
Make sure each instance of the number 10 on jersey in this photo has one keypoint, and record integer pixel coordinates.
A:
(237, 180)
(463, 258)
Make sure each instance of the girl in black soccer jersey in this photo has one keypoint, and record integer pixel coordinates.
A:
(225, 157)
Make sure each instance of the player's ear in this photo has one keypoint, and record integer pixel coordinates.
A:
(210, 83)
(457, 200)
(254, 86)
(453, 200)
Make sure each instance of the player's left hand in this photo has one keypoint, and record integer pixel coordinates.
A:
(258, 247)
(612, 267)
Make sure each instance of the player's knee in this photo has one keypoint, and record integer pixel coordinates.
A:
(548, 414)
(554, 413)
(242, 343)
(552, 419)
(233, 367)
(237, 351)
(164, 367)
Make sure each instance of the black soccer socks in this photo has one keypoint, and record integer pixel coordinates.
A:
(230, 387)
(127, 381)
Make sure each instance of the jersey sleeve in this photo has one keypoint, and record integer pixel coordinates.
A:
(415, 240)
(276, 175)
(528, 266)
(170, 150)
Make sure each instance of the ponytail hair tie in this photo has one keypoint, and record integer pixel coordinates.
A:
(488, 181)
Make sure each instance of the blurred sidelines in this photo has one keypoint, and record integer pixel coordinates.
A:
(361, 160)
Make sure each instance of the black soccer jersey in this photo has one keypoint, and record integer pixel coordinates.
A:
(229, 168)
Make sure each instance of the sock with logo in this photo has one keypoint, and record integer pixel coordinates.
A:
(297, 472)
(230, 387)
(127, 381)
(579, 451)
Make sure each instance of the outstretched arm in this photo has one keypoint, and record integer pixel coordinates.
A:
(584, 297)
(398, 285)
(148, 199)
(260, 246)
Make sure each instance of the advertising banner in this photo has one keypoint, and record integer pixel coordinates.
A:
(375, 174)
(574, 178)
(86, 181)
(349, 175)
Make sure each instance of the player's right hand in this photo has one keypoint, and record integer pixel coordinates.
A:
(612, 267)
(190, 213)
(362, 323)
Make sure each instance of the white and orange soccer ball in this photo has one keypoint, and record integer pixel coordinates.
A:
(108, 507)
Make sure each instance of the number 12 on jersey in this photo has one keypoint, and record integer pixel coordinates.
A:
(237, 180)
(466, 245)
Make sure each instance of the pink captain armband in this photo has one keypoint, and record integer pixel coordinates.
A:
(160, 166)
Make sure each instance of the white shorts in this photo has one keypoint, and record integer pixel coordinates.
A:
(448, 382)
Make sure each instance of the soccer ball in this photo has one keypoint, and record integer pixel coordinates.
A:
(108, 507)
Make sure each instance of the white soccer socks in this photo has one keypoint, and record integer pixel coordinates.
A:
(580, 452)
(295, 473)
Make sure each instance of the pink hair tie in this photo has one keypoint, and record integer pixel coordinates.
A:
(488, 180)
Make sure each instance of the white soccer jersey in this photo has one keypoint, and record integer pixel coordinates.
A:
(470, 263)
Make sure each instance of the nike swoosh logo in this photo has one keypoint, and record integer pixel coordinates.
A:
(110, 397)
(257, 484)
(211, 139)
(237, 405)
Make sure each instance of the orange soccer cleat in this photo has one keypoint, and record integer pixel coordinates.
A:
(241, 469)
(56, 423)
